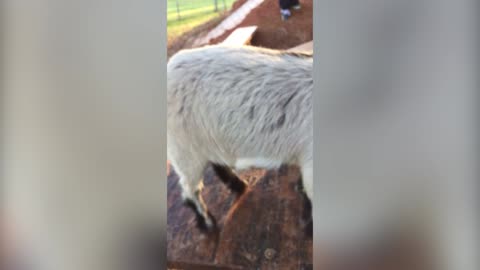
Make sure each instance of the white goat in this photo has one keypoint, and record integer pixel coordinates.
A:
(238, 107)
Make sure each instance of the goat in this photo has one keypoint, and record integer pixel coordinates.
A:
(237, 107)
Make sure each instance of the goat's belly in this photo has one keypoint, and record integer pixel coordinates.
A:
(257, 162)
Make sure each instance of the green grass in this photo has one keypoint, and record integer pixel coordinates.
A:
(192, 14)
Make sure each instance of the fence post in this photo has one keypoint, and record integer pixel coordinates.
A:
(178, 10)
(216, 5)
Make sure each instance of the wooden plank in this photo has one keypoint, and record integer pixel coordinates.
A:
(241, 36)
(305, 47)
(197, 266)
(260, 230)
(264, 231)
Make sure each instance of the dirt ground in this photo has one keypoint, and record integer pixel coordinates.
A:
(272, 32)
(187, 39)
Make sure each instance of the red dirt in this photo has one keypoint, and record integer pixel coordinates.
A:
(274, 33)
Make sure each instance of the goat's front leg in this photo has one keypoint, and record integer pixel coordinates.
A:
(205, 220)
(191, 183)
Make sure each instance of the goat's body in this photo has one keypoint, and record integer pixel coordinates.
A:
(239, 107)
(240, 103)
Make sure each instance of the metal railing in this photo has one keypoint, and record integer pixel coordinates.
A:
(181, 9)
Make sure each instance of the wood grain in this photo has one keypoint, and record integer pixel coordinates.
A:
(259, 230)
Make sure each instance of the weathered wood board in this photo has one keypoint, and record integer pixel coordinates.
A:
(305, 47)
(241, 36)
(260, 230)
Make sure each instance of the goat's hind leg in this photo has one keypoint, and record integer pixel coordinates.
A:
(191, 183)
(230, 179)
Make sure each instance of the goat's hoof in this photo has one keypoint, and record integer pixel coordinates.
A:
(207, 225)
(308, 228)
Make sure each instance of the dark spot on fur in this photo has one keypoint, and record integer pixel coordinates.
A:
(180, 65)
(251, 114)
(178, 88)
(281, 121)
(288, 100)
(234, 83)
(218, 74)
(245, 98)
(243, 69)
(182, 107)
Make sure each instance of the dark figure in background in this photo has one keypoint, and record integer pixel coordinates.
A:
(285, 6)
